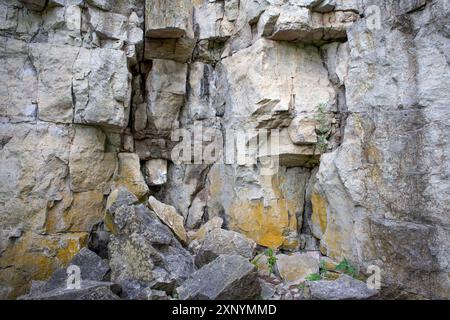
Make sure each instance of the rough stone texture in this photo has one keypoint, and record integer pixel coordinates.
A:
(166, 85)
(90, 290)
(101, 88)
(383, 191)
(296, 267)
(345, 288)
(168, 19)
(220, 241)
(130, 176)
(226, 278)
(145, 253)
(202, 232)
(56, 70)
(170, 217)
(92, 268)
(82, 81)
(155, 172)
(120, 197)
(91, 167)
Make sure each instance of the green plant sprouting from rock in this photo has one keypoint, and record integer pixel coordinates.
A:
(271, 260)
(314, 277)
(345, 267)
(324, 273)
(322, 128)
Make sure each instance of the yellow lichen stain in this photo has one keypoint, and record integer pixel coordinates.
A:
(36, 257)
(70, 247)
(267, 226)
(319, 214)
(336, 242)
(109, 223)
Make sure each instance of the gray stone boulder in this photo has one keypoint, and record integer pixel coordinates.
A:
(345, 288)
(226, 278)
(120, 197)
(92, 267)
(90, 290)
(220, 241)
(145, 252)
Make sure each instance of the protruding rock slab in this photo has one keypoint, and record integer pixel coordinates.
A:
(220, 241)
(226, 278)
(168, 18)
(170, 217)
(179, 50)
(345, 288)
(129, 174)
(296, 267)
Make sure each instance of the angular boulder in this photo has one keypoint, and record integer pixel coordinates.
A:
(226, 278)
(90, 290)
(144, 252)
(170, 217)
(220, 241)
(345, 288)
(296, 267)
(92, 268)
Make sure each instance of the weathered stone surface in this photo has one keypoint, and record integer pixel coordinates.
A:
(170, 217)
(101, 88)
(37, 5)
(266, 209)
(179, 50)
(70, 72)
(85, 212)
(91, 166)
(166, 85)
(54, 66)
(220, 241)
(210, 22)
(168, 19)
(90, 290)
(296, 267)
(129, 174)
(323, 6)
(226, 278)
(92, 267)
(108, 25)
(297, 23)
(36, 257)
(214, 223)
(373, 199)
(155, 172)
(345, 288)
(120, 197)
(145, 252)
(19, 82)
(303, 131)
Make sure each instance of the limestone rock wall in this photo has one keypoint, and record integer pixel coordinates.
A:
(95, 93)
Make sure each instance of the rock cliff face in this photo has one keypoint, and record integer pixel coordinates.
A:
(119, 122)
